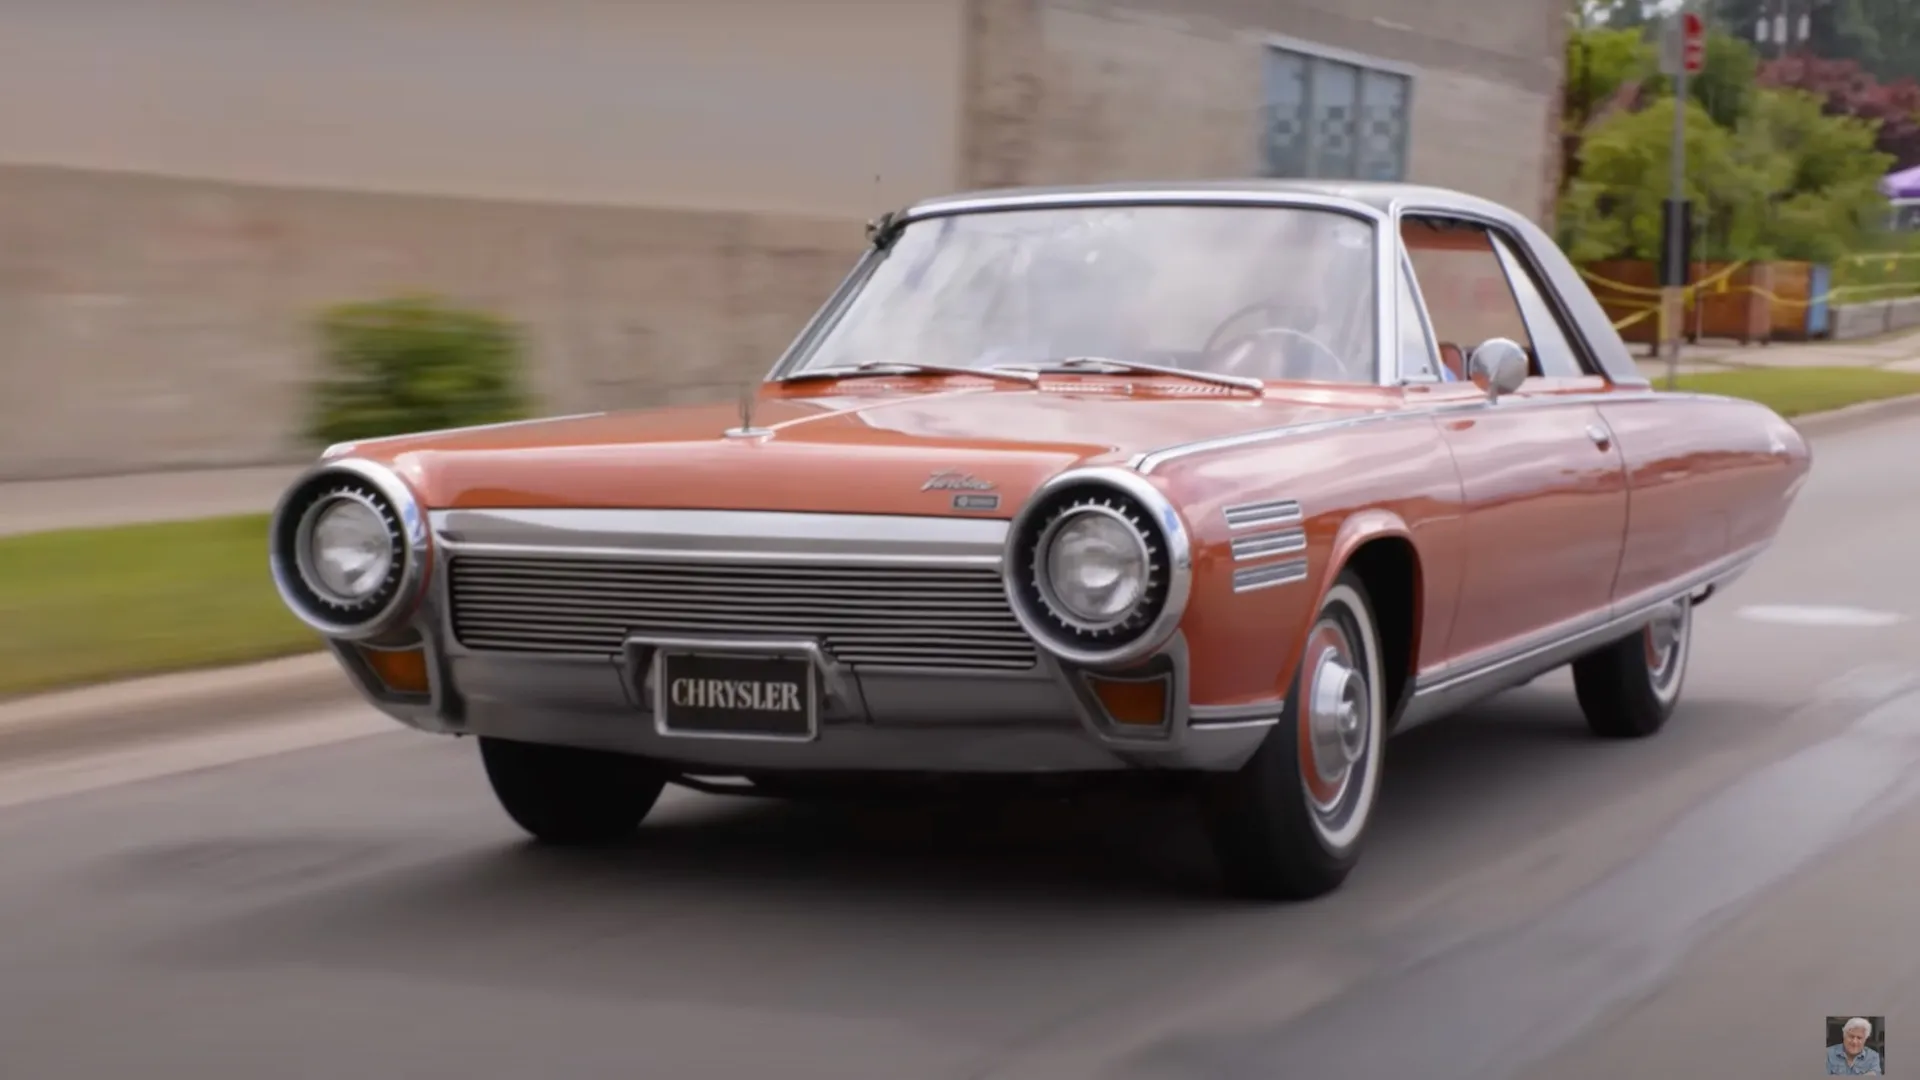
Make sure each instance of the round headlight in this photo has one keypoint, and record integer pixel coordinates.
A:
(1097, 567)
(349, 550)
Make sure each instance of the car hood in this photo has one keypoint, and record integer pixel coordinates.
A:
(874, 451)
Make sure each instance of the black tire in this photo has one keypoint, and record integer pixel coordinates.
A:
(1270, 838)
(1629, 689)
(562, 795)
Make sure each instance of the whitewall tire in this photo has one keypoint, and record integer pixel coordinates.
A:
(1628, 689)
(1290, 823)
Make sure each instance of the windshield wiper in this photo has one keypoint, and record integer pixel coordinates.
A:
(1102, 363)
(891, 367)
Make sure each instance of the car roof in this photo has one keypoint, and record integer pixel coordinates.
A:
(1377, 196)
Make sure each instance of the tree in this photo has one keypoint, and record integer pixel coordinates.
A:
(1610, 70)
(1820, 174)
(1612, 208)
(1846, 88)
(1789, 181)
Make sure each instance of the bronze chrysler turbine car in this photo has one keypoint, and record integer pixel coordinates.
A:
(1229, 480)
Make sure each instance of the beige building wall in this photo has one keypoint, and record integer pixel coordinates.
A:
(661, 191)
(770, 105)
(1103, 90)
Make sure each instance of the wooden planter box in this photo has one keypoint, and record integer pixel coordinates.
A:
(1735, 307)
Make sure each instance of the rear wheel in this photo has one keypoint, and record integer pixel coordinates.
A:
(1289, 824)
(568, 796)
(1629, 688)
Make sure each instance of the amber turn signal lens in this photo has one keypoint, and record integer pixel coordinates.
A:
(400, 670)
(1136, 703)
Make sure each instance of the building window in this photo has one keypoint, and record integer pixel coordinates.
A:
(1331, 117)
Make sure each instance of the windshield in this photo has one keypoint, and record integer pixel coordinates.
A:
(1277, 293)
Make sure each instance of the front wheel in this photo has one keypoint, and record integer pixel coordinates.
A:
(563, 795)
(1288, 825)
(1629, 688)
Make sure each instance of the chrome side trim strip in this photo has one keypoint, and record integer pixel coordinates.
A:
(1234, 725)
(1503, 667)
(718, 536)
(1259, 714)
(1146, 463)
(1267, 545)
(1268, 575)
(339, 448)
(1256, 514)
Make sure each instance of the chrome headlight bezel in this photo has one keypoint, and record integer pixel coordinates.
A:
(1164, 542)
(380, 490)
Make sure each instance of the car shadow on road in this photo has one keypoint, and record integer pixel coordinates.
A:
(734, 898)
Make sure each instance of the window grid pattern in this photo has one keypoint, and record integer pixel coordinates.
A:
(1333, 120)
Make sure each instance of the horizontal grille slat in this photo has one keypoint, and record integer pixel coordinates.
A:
(945, 618)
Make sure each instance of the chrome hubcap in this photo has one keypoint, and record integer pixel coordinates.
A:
(1338, 715)
(1663, 639)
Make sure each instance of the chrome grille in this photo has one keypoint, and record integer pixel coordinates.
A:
(934, 617)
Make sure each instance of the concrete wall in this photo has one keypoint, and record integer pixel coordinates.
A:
(662, 191)
(152, 323)
(783, 105)
(1873, 317)
(1100, 90)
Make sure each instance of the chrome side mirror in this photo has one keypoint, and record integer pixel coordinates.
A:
(1498, 366)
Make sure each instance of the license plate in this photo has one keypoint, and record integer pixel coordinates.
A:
(735, 695)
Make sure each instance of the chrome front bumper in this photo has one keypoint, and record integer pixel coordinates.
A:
(540, 677)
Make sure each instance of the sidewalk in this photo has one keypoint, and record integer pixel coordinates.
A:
(1894, 352)
(31, 506)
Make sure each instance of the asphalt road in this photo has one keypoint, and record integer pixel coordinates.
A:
(328, 897)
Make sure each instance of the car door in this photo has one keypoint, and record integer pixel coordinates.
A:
(1543, 488)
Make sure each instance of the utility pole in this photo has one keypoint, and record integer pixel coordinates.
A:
(1684, 55)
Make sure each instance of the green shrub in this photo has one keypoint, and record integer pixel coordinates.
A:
(414, 363)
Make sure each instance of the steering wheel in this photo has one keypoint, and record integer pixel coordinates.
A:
(1322, 364)
(1318, 363)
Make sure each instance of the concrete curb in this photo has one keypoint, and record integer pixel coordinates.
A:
(169, 705)
(1834, 421)
(203, 701)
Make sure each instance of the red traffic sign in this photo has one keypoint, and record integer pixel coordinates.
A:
(1693, 42)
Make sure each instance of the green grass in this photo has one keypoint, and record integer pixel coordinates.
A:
(1797, 391)
(90, 605)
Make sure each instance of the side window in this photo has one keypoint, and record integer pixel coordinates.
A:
(1552, 353)
(1417, 361)
(1477, 288)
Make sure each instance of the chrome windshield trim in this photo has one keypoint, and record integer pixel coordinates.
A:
(830, 313)
(1180, 196)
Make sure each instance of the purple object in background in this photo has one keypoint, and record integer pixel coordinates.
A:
(1904, 184)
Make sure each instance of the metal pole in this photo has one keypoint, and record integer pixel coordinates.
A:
(1676, 235)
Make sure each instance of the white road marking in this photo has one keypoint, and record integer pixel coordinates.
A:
(1820, 615)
